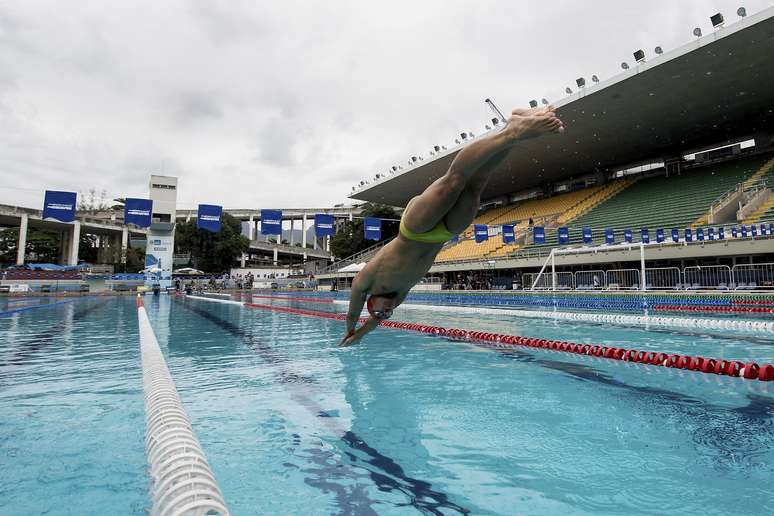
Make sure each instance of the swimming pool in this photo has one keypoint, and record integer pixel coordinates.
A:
(404, 423)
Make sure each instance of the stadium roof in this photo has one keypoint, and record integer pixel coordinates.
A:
(715, 90)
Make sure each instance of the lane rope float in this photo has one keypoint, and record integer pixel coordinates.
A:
(734, 368)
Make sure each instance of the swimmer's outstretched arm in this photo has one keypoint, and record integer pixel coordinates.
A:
(357, 299)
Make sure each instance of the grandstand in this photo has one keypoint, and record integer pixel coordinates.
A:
(686, 102)
(662, 202)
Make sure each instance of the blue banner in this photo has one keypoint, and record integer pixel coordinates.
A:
(372, 226)
(609, 236)
(734, 232)
(539, 235)
(763, 230)
(771, 229)
(711, 233)
(753, 231)
(721, 233)
(700, 234)
(208, 217)
(59, 205)
(587, 236)
(628, 236)
(271, 222)
(660, 235)
(644, 236)
(509, 235)
(323, 225)
(675, 235)
(688, 235)
(481, 232)
(564, 236)
(744, 231)
(138, 212)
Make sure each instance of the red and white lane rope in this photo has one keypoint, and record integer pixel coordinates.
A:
(749, 370)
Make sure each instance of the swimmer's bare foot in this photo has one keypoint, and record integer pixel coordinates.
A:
(522, 127)
(533, 111)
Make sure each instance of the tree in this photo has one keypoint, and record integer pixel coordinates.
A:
(135, 259)
(93, 202)
(211, 252)
(349, 239)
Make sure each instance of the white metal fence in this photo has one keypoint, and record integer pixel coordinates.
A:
(590, 280)
(564, 281)
(707, 277)
(713, 277)
(662, 278)
(752, 276)
(182, 482)
(628, 279)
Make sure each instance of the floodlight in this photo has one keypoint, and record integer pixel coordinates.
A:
(741, 12)
(495, 121)
(625, 65)
(717, 20)
(413, 158)
(639, 56)
(568, 91)
(581, 82)
(697, 32)
(394, 168)
(594, 78)
(533, 103)
(376, 176)
(436, 148)
(544, 102)
(658, 50)
(464, 136)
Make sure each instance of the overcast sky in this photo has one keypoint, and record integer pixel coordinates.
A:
(287, 104)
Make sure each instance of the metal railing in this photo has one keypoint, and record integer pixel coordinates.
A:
(707, 277)
(662, 278)
(355, 258)
(590, 280)
(182, 482)
(628, 279)
(545, 281)
(751, 276)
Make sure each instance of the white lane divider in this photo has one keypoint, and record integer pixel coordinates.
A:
(620, 319)
(182, 482)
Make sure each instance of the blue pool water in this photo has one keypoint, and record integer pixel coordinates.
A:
(404, 423)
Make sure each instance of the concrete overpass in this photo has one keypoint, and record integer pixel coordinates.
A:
(24, 218)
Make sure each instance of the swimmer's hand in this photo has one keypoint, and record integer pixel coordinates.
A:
(353, 336)
(349, 339)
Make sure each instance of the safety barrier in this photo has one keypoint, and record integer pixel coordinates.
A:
(590, 280)
(181, 478)
(662, 278)
(750, 276)
(708, 277)
(623, 279)
(734, 368)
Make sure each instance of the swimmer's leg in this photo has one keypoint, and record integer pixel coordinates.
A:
(470, 170)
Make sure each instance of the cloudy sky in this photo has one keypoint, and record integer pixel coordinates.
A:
(287, 104)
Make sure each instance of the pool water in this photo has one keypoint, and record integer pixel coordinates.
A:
(403, 423)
